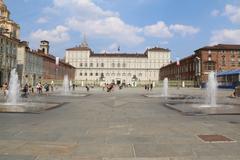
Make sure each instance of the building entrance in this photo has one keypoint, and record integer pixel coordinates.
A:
(118, 82)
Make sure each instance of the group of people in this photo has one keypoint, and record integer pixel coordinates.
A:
(27, 89)
(108, 87)
(149, 87)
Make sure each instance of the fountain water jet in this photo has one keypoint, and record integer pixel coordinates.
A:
(211, 89)
(66, 84)
(13, 92)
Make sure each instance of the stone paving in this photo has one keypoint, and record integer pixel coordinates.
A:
(122, 125)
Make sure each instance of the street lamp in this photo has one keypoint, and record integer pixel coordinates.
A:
(198, 70)
(178, 70)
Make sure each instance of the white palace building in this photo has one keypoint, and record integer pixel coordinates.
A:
(119, 68)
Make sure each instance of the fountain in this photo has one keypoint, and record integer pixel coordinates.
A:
(13, 92)
(210, 107)
(211, 89)
(165, 87)
(15, 105)
(66, 90)
(165, 95)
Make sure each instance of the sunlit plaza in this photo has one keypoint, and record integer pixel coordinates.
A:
(119, 80)
(125, 124)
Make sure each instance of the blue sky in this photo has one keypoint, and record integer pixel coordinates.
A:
(182, 26)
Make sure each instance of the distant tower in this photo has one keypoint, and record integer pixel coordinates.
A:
(84, 43)
(8, 26)
(4, 11)
(44, 46)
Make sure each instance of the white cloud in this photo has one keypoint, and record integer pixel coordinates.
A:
(225, 36)
(56, 35)
(42, 20)
(111, 48)
(183, 29)
(110, 27)
(86, 9)
(233, 12)
(160, 29)
(215, 13)
(85, 16)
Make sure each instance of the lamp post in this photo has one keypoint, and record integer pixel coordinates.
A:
(178, 74)
(198, 70)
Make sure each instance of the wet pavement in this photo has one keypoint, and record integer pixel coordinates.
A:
(122, 125)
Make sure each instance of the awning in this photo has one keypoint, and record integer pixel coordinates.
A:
(229, 72)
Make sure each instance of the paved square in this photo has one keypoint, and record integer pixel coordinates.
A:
(122, 125)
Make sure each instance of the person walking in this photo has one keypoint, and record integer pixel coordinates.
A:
(5, 89)
(151, 87)
(25, 91)
(46, 86)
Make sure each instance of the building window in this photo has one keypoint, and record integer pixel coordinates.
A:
(118, 74)
(223, 61)
(113, 74)
(119, 65)
(107, 74)
(91, 64)
(232, 62)
(97, 64)
(124, 74)
(96, 74)
(86, 64)
(232, 54)
(124, 65)
(209, 57)
(113, 65)
(91, 74)
(85, 74)
(102, 64)
(81, 64)
(80, 74)
(210, 66)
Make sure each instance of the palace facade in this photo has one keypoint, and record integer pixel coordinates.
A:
(118, 68)
(9, 40)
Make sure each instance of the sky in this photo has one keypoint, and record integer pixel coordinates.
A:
(133, 25)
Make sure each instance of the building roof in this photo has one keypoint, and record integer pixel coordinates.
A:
(229, 72)
(136, 55)
(157, 49)
(79, 48)
(53, 58)
(221, 47)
